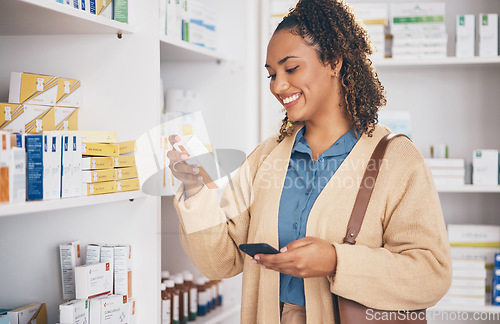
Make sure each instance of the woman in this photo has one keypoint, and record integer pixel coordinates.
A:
(297, 189)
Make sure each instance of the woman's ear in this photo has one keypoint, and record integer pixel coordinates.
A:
(336, 66)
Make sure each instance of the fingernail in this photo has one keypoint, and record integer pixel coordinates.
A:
(283, 249)
(196, 170)
(184, 156)
(257, 257)
(254, 261)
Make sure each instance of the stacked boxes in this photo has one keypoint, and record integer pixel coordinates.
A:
(70, 258)
(375, 17)
(192, 21)
(96, 181)
(126, 169)
(476, 242)
(488, 35)
(485, 167)
(32, 313)
(419, 30)
(110, 9)
(447, 171)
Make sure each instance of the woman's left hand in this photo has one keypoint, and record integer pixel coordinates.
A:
(304, 258)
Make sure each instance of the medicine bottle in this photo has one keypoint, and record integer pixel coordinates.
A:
(176, 293)
(165, 275)
(219, 292)
(192, 295)
(183, 298)
(202, 299)
(166, 305)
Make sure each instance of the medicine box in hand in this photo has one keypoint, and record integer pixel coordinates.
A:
(200, 156)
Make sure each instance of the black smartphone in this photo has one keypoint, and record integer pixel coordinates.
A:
(257, 248)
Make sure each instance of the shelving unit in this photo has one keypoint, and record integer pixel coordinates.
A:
(178, 50)
(47, 17)
(448, 61)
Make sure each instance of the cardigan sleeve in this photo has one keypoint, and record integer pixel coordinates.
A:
(211, 231)
(412, 270)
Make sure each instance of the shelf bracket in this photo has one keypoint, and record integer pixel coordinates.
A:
(119, 35)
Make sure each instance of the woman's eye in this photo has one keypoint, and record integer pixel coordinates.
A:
(291, 70)
(272, 76)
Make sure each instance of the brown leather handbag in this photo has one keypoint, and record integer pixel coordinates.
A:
(348, 311)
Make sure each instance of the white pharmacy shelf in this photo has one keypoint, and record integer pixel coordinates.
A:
(179, 50)
(28, 207)
(466, 309)
(469, 188)
(219, 314)
(451, 60)
(47, 17)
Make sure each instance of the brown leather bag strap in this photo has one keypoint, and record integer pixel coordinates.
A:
(366, 188)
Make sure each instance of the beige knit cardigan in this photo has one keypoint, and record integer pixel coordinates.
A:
(401, 259)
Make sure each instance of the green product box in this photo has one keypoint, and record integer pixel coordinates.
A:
(121, 11)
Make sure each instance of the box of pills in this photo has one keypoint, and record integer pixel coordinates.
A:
(100, 149)
(495, 291)
(465, 40)
(76, 164)
(66, 167)
(91, 136)
(104, 8)
(124, 161)
(126, 173)
(5, 148)
(120, 11)
(34, 169)
(121, 270)
(199, 155)
(65, 118)
(127, 147)
(70, 258)
(38, 119)
(132, 317)
(127, 185)
(35, 313)
(97, 163)
(98, 188)
(98, 175)
(11, 118)
(109, 309)
(69, 92)
(468, 235)
(52, 167)
(74, 312)
(93, 253)
(485, 167)
(17, 175)
(35, 89)
(488, 35)
(93, 280)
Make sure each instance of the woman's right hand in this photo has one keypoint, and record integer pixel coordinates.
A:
(188, 174)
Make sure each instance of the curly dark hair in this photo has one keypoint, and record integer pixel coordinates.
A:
(330, 27)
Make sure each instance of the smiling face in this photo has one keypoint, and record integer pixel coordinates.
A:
(308, 89)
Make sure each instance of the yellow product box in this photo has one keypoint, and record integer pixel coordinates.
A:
(35, 89)
(98, 175)
(126, 173)
(100, 149)
(124, 161)
(99, 188)
(127, 147)
(69, 93)
(97, 163)
(66, 119)
(104, 8)
(38, 119)
(11, 117)
(127, 185)
(92, 136)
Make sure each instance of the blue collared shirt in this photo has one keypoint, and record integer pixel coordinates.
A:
(303, 183)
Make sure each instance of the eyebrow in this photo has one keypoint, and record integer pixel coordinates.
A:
(282, 60)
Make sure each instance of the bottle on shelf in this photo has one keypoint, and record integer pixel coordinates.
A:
(202, 297)
(192, 295)
(219, 292)
(165, 275)
(166, 304)
(183, 298)
(176, 297)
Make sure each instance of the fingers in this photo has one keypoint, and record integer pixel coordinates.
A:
(298, 244)
(174, 139)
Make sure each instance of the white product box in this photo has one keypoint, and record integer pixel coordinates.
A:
(35, 89)
(417, 16)
(108, 256)
(74, 312)
(111, 309)
(488, 35)
(465, 41)
(66, 167)
(122, 257)
(485, 167)
(17, 175)
(12, 117)
(38, 119)
(69, 92)
(97, 163)
(70, 258)
(93, 280)
(65, 119)
(29, 314)
(93, 253)
(468, 235)
(132, 314)
(104, 8)
(199, 155)
(52, 167)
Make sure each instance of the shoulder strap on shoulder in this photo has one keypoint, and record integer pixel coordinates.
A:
(366, 188)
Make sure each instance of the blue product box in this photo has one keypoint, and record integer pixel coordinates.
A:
(34, 167)
(497, 260)
(495, 291)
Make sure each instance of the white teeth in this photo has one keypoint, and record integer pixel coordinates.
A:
(291, 98)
